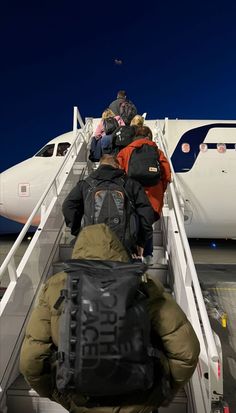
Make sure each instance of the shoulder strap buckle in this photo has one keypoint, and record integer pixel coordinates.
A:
(63, 295)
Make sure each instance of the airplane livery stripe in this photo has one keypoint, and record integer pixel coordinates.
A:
(183, 162)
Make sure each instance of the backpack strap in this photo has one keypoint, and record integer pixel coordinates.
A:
(91, 182)
(61, 298)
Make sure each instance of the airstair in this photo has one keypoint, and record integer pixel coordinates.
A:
(50, 247)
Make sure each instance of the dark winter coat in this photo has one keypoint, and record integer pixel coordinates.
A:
(115, 105)
(179, 342)
(73, 206)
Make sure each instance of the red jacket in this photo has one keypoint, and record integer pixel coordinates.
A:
(155, 193)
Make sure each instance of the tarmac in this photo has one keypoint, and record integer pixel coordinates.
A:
(6, 243)
(216, 267)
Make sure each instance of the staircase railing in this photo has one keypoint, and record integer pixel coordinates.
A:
(27, 277)
(207, 382)
(40, 210)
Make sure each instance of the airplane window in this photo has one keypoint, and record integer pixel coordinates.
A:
(46, 151)
(62, 148)
(203, 147)
(185, 147)
(221, 147)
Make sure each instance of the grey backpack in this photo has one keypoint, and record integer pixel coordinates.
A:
(108, 202)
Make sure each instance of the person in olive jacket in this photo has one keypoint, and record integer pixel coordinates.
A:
(173, 331)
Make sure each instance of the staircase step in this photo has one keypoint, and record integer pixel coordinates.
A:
(156, 271)
(157, 225)
(159, 272)
(178, 405)
(58, 266)
(159, 255)
(78, 167)
(65, 252)
(21, 398)
(66, 248)
(157, 237)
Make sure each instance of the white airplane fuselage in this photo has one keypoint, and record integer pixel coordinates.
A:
(206, 176)
(22, 185)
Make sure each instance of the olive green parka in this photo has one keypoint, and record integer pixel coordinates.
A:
(175, 333)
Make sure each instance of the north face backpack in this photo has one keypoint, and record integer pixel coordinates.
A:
(108, 202)
(104, 334)
(122, 137)
(127, 111)
(110, 124)
(144, 165)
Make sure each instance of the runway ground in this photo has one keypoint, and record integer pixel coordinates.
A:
(216, 268)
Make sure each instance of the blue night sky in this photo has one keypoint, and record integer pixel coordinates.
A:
(178, 58)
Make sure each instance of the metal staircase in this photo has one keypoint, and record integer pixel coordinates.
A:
(50, 246)
(21, 398)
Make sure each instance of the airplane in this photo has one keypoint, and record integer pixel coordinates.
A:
(203, 154)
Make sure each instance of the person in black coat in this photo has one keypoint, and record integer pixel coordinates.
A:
(108, 170)
(115, 105)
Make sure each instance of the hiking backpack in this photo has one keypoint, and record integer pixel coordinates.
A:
(127, 111)
(144, 165)
(110, 124)
(108, 202)
(104, 344)
(122, 137)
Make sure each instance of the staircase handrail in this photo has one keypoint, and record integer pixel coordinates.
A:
(192, 301)
(212, 350)
(28, 223)
(14, 297)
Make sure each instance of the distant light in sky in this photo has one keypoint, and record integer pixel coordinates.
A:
(118, 61)
(213, 244)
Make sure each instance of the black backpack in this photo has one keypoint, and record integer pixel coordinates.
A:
(110, 124)
(104, 335)
(144, 165)
(122, 137)
(127, 111)
(108, 202)
(95, 152)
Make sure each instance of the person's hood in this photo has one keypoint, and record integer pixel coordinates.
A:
(99, 242)
(107, 172)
